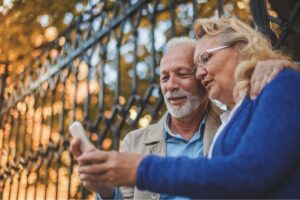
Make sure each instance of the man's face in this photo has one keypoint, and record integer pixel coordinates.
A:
(182, 92)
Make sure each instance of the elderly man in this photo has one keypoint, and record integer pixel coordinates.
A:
(187, 129)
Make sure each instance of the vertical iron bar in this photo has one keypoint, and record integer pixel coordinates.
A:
(220, 8)
(61, 128)
(17, 190)
(153, 63)
(10, 162)
(172, 17)
(88, 97)
(117, 65)
(40, 147)
(135, 60)
(195, 10)
(260, 17)
(3, 84)
(70, 176)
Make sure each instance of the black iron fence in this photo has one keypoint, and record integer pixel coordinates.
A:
(102, 71)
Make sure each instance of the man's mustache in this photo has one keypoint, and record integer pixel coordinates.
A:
(176, 94)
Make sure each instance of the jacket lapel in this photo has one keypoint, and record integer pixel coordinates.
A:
(156, 138)
(212, 124)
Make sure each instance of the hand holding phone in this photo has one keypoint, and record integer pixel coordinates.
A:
(76, 129)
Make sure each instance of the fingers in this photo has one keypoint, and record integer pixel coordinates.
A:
(88, 186)
(264, 72)
(94, 168)
(274, 73)
(75, 147)
(257, 77)
(254, 89)
(261, 86)
(284, 64)
(276, 67)
(259, 80)
(93, 178)
(91, 149)
(92, 156)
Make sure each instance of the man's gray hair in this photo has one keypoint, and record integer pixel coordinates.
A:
(181, 40)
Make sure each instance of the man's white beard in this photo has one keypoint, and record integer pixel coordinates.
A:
(191, 104)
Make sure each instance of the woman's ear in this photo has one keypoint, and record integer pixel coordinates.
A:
(240, 45)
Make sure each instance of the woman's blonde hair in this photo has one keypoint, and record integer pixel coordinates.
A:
(256, 47)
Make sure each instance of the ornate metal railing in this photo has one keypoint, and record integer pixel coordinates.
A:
(103, 71)
(287, 23)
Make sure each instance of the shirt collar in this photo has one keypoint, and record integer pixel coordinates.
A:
(170, 134)
(225, 116)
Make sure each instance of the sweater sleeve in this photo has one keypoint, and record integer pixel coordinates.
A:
(268, 151)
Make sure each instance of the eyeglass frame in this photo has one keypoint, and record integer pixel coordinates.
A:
(207, 52)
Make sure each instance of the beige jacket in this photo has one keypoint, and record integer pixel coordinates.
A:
(151, 140)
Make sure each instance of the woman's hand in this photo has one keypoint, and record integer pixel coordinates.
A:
(264, 72)
(109, 168)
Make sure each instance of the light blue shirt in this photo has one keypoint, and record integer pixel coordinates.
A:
(178, 146)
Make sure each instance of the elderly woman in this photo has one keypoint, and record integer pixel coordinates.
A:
(256, 153)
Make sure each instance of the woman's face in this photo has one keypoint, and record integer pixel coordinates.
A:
(216, 65)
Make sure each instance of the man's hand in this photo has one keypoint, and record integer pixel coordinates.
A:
(264, 72)
(110, 168)
(103, 190)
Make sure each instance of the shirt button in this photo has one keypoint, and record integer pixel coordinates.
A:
(154, 196)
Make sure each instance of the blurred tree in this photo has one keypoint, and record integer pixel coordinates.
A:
(28, 25)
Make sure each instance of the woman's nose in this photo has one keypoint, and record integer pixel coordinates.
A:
(201, 73)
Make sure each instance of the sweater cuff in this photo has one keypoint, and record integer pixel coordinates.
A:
(141, 172)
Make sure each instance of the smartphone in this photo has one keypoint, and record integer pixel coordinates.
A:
(76, 129)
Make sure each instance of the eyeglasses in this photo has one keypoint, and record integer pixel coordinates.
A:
(204, 57)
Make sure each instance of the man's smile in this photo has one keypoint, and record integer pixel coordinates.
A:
(177, 100)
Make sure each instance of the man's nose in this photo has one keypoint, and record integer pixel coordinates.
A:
(172, 84)
(201, 73)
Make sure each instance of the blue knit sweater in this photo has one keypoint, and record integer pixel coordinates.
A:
(257, 155)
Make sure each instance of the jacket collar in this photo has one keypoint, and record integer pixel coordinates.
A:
(155, 133)
(156, 138)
